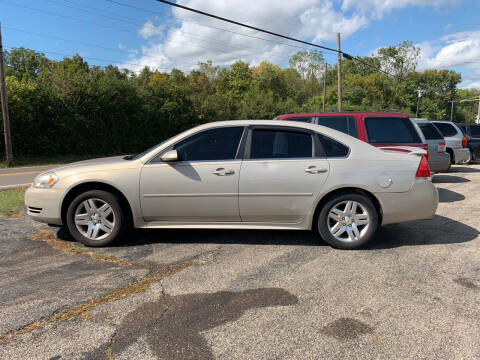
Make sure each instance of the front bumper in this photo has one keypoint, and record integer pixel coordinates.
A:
(461, 155)
(44, 205)
(419, 203)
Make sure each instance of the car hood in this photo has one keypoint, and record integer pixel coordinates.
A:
(107, 163)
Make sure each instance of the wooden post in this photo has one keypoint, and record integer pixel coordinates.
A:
(3, 99)
(325, 88)
(339, 73)
(478, 112)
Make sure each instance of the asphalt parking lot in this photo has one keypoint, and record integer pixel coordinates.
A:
(413, 293)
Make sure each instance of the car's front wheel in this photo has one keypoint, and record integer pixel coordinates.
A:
(95, 218)
(348, 221)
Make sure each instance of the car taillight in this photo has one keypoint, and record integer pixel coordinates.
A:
(464, 141)
(442, 147)
(423, 171)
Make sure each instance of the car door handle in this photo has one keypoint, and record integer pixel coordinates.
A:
(315, 170)
(223, 172)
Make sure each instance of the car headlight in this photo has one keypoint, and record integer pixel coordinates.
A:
(46, 180)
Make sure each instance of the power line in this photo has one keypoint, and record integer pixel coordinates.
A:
(345, 55)
(117, 17)
(134, 33)
(93, 58)
(246, 25)
(205, 25)
(89, 45)
(67, 17)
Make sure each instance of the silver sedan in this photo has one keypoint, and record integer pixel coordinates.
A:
(249, 174)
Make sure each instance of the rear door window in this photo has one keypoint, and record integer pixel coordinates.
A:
(333, 148)
(446, 129)
(275, 144)
(341, 123)
(430, 131)
(391, 130)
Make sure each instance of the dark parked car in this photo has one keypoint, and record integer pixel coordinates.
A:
(472, 132)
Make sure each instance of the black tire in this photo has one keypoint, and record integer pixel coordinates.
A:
(323, 217)
(120, 223)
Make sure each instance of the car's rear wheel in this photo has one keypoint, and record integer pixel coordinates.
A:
(348, 221)
(96, 218)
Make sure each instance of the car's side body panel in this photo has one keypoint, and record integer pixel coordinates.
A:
(280, 190)
(190, 191)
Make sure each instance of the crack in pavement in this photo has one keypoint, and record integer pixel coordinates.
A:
(142, 284)
(157, 272)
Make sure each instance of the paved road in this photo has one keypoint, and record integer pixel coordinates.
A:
(413, 293)
(21, 176)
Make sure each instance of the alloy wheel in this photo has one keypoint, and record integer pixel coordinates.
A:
(94, 219)
(348, 221)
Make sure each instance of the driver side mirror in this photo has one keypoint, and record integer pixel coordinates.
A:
(169, 156)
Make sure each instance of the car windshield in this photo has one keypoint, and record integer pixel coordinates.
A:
(391, 130)
(430, 131)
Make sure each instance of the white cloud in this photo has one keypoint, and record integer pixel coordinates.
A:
(149, 29)
(379, 8)
(460, 50)
(185, 42)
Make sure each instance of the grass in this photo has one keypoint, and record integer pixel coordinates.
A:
(49, 237)
(12, 201)
(38, 161)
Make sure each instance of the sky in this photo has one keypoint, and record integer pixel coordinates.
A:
(135, 33)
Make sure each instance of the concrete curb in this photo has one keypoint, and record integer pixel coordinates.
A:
(6, 187)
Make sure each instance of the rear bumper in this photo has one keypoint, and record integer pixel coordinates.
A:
(461, 155)
(419, 203)
(440, 162)
(44, 205)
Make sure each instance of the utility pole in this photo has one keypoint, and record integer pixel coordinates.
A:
(451, 110)
(325, 87)
(339, 73)
(419, 92)
(3, 99)
(478, 113)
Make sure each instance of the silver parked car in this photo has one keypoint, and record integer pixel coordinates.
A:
(249, 174)
(455, 140)
(438, 157)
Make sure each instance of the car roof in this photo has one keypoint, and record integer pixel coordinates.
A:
(347, 113)
(421, 120)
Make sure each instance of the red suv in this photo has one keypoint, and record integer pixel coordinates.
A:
(389, 130)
